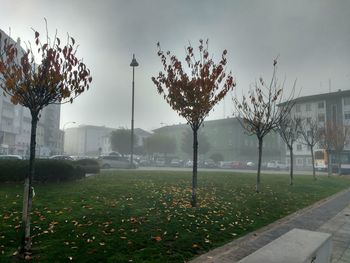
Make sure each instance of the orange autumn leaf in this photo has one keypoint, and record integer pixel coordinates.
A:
(157, 238)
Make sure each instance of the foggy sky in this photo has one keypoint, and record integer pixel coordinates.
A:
(311, 38)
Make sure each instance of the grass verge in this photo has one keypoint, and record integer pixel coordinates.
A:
(145, 216)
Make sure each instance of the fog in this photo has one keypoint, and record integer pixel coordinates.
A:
(311, 39)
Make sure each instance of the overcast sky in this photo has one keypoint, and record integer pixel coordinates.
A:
(312, 39)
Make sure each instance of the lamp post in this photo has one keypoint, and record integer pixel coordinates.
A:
(133, 64)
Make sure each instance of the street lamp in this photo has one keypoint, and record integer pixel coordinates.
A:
(133, 64)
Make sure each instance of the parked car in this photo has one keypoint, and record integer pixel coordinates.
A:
(277, 165)
(176, 163)
(239, 165)
(251, 165)
(210, 164)
(144, 162)
(189, 164)
(160, 162)
(226, 165)
(114, 161)
(11, 157)
(61, 157)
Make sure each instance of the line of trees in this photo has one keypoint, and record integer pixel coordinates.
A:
(331, 136)
(259, 113)
(191, 91)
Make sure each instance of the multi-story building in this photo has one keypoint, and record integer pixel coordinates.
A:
(89, 140)
(140, 136)
(228, 138)
(332, 106)
(15, 126)
(85, 140)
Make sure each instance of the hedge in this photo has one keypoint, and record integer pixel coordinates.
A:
(45, 170)
(90, 166)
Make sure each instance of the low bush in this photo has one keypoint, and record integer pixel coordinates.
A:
(45, 170)
(90, 166)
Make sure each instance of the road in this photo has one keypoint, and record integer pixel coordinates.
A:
(226, 170)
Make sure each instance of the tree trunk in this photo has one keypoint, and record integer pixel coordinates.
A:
(329, 165)
(339, 163)
(291, 164)
(313, 162)
(26, 244)
(194, 168)
(258, 186)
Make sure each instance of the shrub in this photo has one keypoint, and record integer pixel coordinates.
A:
(217, 157)
(45, 170)
(90, 166)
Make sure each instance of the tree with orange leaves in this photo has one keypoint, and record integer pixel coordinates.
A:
(59, 78)
(192, 95)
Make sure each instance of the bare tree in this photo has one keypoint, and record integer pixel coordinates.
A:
(192, 93)
(338, 136)
(310, 134)
(288, 130)
(326, 143)
(259, 114)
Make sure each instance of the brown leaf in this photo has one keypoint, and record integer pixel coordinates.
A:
(157, 238)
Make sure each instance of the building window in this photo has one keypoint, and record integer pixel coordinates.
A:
(300, 162)
(308, 107)
(308, 120)
(309, 134)
(297, 108)
(321, 105)
(299, 147)
(347, 101)
(321, 117)
(308, 161)
(347, 115)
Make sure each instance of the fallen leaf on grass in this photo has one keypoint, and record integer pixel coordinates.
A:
(157, 238)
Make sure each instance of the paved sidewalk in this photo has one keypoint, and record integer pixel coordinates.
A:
(331, 216)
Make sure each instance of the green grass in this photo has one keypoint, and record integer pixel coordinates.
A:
(145, 216)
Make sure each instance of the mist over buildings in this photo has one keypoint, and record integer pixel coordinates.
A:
(311, 39)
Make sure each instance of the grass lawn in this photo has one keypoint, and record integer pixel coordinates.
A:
(145, 216)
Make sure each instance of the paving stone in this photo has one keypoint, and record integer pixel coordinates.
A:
(329, 216)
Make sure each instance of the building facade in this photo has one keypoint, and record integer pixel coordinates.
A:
(332, 106)
(85, 140)
(89, 140)
(228, 138)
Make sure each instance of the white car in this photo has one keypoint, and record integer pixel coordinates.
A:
(61, 157)
(276, 165)
(114, 161)
(11, 157)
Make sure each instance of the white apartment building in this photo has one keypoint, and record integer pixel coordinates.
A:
(15, 127)
(90, 140)
(85, 140)
(333, 106)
